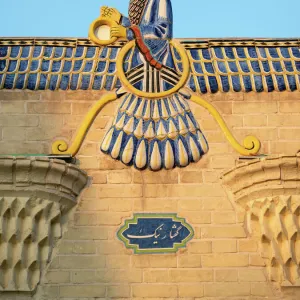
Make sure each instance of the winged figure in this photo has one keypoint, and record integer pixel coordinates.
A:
(152, 132)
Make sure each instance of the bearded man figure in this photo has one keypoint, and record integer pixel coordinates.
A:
(152, 132)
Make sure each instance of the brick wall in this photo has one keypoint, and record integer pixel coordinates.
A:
(221, 262)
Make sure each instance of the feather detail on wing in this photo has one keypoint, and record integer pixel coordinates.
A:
(253, 66)
(40, 65)
(51, 67)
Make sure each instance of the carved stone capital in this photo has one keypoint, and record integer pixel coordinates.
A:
(265, 177)
(35, 196)
(269, 190)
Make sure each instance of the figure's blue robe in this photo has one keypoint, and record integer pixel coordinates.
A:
(156, 27)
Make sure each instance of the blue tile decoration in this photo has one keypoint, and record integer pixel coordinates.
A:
(66, 68)
(216, 65)
(155, 233)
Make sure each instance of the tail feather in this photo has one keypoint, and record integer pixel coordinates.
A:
(155, 134)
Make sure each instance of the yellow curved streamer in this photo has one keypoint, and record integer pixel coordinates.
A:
(251, 143)
(61, 147)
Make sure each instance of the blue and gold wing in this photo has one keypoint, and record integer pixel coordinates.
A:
(244, 66)
(216, 65)
(59, 64)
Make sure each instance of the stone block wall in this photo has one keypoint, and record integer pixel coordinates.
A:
(221, 262)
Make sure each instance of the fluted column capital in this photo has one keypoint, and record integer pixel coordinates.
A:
(41, 177)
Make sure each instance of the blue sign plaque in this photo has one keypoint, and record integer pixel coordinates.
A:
(155, 233)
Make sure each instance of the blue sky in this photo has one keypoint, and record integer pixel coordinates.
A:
(192, 18)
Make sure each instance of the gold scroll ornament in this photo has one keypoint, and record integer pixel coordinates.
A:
(251, 143)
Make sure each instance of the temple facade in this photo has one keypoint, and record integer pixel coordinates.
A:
(145, 167)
